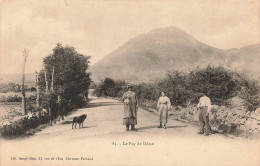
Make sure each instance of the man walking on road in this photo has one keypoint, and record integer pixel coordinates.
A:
(204, 106)
(130, 108)
(163, 105)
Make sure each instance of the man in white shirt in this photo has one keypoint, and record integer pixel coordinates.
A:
(163, 105)
(204, 106)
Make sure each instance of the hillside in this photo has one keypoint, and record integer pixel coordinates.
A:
(149, 56)
(245, 59)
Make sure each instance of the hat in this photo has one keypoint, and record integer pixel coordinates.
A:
(201, 94)
(129, 86)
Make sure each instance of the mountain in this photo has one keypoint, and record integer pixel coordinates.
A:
(245, 60)
(149, 56)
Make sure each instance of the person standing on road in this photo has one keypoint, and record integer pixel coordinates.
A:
(130, 108)
(163, 105)
(204, 107)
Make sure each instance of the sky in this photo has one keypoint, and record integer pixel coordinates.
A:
(96, 28)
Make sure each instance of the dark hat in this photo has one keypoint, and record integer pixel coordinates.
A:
(129, 86)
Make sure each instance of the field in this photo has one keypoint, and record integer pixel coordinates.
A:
(11, 94)
(10, 110)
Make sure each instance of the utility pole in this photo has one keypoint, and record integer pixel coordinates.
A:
(25, 55)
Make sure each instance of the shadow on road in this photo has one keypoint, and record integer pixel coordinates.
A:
(146, 127)
(102, 104)
(85, 127)
(70, 122)
(67, 122)
(177, 126)
(64, 131)
(155, 126)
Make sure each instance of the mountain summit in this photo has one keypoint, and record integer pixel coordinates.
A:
(149, 56)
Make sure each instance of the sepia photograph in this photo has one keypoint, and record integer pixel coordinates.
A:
(129, 82)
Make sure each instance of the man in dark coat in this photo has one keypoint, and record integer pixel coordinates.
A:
(130, 108)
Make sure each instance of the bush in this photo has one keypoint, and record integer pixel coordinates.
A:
(218, 83)
(147, 92)
(250, 94)
(109, 87)
(16, 98)
(10, 87)
(22, 126)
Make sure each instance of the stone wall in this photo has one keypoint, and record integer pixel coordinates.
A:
(232, 119)
(223, 120)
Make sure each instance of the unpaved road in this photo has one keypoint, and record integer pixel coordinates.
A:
(104, 141)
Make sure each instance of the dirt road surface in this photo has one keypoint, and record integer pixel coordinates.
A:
(104, 141)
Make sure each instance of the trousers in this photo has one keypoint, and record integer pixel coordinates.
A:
(204, 120)
(163, 114)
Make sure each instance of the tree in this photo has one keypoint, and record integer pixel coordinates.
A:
(104, 88)
(37, 90)
(25, 55)
(67, 70)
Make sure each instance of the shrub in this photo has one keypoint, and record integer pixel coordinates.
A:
(16, 98)
(218, 83)
(22, 126)
(109, 87)
(250, 94)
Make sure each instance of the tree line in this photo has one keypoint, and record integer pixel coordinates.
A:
(183, 88)
(13, 87)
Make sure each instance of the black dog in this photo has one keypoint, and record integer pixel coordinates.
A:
(79, 120)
